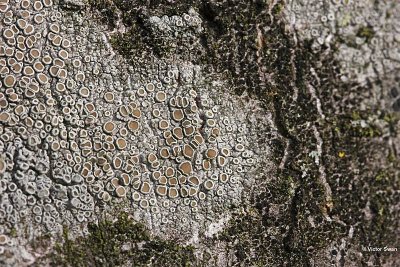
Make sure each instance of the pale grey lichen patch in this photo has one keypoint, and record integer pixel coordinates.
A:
(83, 131)
(364, 37)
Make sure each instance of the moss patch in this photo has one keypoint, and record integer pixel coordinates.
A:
(123, 242)
(366, 32)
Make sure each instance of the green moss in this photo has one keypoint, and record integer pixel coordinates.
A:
(278, 8)
(392, 157)
(13, 232)
(119, 243)
(355, 115)
(381, 175)
(107, 9)
(366, 32)
(350, 126)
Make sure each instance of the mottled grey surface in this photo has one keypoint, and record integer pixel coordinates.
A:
(86, 130)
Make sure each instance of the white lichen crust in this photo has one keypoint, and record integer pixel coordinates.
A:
(83, 131)
(364, 37)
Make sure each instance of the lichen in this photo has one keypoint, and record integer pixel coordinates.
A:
(327, 178)
(289, 220)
